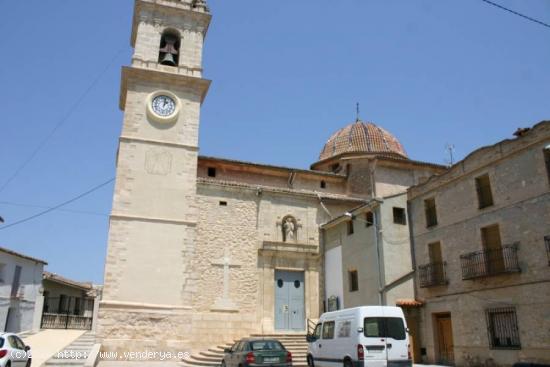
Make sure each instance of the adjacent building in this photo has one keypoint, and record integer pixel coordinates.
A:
(68, 304)
(20, 291)
(481, 245)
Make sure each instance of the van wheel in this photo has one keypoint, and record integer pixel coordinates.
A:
(310, 361)
(347, 363)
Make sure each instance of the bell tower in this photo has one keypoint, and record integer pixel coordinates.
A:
(149, 283)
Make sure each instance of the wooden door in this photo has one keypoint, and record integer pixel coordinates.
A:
(445, 349)
(494, 259)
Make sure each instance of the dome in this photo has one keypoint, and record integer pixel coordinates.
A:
(362, 137)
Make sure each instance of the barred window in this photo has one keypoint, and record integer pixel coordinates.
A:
(502, 326)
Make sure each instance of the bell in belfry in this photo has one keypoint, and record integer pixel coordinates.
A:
(168, 53)
(168, 59)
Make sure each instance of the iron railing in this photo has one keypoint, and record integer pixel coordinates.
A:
(502, 327)
(432, 274)
(487, 263)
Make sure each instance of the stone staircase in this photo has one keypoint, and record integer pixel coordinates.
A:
(75, 354)
(294, 343)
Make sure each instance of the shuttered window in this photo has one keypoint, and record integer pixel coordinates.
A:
(353, 280)
(502, 327)
(431, 212)
(484, 194)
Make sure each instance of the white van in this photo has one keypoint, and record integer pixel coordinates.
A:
(368, 336)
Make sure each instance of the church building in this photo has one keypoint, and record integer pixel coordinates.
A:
(203, 249)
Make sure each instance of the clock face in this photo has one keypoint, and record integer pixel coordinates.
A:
(163, 106)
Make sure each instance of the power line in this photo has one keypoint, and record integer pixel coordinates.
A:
(516, 13)
(95, 188)
(87, 212)
(60, 122)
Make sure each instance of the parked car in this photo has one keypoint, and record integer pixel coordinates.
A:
(368, 336)
(13, 352)
(257, 352)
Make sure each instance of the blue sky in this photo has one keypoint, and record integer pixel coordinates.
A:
(286, 74)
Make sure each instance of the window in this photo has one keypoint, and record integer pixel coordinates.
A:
(431, 212)
(384, 327)
(328, 330)
(223, 203)
(2, 273)
(16, 281)
(317, 332)
(266, 345)
(169, 48)
(547, 160)
(353, 280)
(350, 227)
(323, 184)
(211, 172)
(503, 330)
(335, 167)
(344, 329)
(484, 194)
(369, 219)
(490, 237)
(399, 216)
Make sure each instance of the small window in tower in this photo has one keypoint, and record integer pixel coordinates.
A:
(335, 167)
(169, 48)
(223, 203)
(323, 184)
(211, 172)
(399, 216)
(369, 219)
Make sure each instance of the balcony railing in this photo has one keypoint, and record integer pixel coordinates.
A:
(487, 263)
(432, 274)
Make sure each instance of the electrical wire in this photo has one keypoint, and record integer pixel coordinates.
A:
(516, 13)
(80, 196)
(87, 212)
(61, 122)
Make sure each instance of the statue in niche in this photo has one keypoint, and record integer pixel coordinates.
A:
(290, 229)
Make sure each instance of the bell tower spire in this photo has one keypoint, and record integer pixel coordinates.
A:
(149, 280)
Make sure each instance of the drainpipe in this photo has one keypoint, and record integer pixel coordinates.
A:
(413, 253)
(377, 231)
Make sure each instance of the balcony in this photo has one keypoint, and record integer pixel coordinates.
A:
(486, 263)
(432, 274)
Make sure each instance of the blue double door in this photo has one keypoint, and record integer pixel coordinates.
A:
(289, 300)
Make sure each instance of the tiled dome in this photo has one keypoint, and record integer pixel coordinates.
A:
(362, 137)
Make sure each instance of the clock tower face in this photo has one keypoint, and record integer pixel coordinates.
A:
(163, 107)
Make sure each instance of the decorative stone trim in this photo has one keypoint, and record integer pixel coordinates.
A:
(130, 139)
(151, 219)
(286, 249)
(136, 305)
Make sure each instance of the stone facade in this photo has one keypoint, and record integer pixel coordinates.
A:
(472, 299)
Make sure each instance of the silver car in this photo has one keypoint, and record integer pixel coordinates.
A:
(13, 352)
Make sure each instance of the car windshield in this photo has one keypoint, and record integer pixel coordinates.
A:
(1, 342)
(384, 327)
(266, 345)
